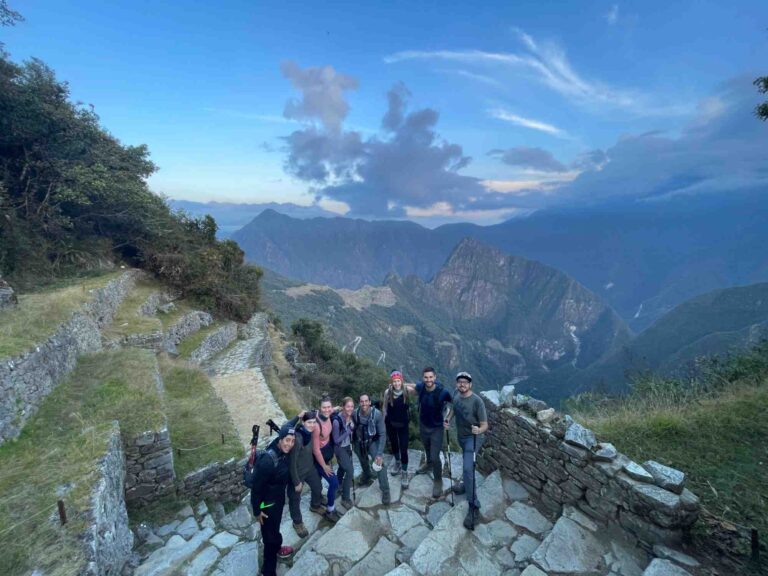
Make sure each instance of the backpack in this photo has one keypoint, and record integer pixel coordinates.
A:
(434, 397)
(362, 435)
(249, 470)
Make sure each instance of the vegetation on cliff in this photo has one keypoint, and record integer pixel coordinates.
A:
(73, 197)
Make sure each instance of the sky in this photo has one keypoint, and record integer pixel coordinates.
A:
(433, 111)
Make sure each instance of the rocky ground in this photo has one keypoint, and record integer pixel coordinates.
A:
(414, 535)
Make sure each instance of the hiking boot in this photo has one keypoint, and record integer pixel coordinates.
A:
(285, 552)
(424, 468)
(324, 500)
(437, 489)
(386, 499)
(348, 504)
(300, 529)
(404, 480)
(319, 509)
(459, 488)
(332, 516)
(469, 519)
(396, 467)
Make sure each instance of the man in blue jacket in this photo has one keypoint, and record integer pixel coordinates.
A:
(271, 477)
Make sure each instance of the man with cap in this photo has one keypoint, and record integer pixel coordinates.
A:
(471, 425)
(271, 477)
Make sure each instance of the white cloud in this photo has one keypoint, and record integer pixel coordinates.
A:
(501, 114)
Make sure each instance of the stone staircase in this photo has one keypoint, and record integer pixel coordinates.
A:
(414, 535)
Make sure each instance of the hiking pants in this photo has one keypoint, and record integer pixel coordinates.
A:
(271, 537)
(312, 480)
(333, 485)
(432, 438)
(365, 463)
(467, 468)
(398, 441)
(346, 470)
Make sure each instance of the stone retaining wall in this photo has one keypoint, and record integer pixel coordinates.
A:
(25, 380)
(185, 326)
(222, 482)
(108, 540)
(257, 327)
(149, 470)
(563, 463)
(214, 343)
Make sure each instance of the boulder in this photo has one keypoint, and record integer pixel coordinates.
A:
(7, 296)
(668, 478)
(546, 416)
(507, 395)
(491, 396)
(579, 436)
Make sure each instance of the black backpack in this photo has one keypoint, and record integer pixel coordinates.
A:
(249, 470)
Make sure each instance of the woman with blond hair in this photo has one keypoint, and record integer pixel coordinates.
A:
(396, 416)
(343, 433)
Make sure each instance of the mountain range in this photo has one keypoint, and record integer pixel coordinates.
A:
(642, 258)
(505, 318)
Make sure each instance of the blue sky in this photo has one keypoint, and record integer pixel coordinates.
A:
(503, 107)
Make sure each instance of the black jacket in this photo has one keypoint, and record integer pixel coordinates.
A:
(272, 476)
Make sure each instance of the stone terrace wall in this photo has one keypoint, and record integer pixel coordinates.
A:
(149, 470)
(185, 326)
(25, 380)
(108, 540)
(222, 482)
(214, 343)
(257, 328)
(563, 463)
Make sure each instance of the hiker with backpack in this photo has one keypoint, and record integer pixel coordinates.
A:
(270, 477)
(302, 467)
(369, 445)
(433, 403)
(343, 427)
(471, 425)
(396, 412)
(322, 448)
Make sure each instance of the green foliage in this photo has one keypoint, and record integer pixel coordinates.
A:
(72, 196)
(8, 16)
(338, 373)
(762, 86)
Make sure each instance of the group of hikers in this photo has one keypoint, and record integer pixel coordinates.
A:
(308, 443)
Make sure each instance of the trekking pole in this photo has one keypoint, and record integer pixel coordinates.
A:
(474, 470)
(450, 470)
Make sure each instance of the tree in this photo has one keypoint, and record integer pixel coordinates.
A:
(8, 17)
(762, 86)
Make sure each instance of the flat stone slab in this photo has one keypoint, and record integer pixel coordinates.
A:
(402, 570)
(514, 490)
(495, 534)
(350, 539)
(402, 519)
(415, 536)
(532, 570)
(378, 562)
(238, 519)
(491, 495)
(580, 518)
(637, 472)
(627, 561)
(310, 564)
(202, 562)
(242, 560)
(224, 540)
(668, 553)
(527, 517)
(524, 547)
(169, 558)
(661, 567)
(185, 512)
(370, 497)
(605, 452)
(668, 478)
(436, 511)
(569, 549)
(188, 528)
(434, 556)
(167, 529)
(579, 436)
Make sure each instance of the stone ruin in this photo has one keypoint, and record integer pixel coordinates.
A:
(7, 295)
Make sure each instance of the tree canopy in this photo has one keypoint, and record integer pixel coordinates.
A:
(762, 87)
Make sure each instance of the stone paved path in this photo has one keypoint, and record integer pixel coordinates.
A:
(239, 381)
(415, 535)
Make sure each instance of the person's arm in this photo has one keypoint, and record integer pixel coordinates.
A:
(378, 450)
(337, 432)
(293, 459)
(447, 401)
(412, 388)
(316, 445)
(262, 476)
(385, 403)
(482, 417)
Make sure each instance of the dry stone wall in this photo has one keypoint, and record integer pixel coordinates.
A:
(149, 472)
(108, 540)
(563, 463)
(214, 343)
(26, 379)
(185, 326)
(222, 482)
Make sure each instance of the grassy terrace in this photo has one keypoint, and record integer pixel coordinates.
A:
(169, 318)
(196, 419)
(56, 456)
(193, 341)
(128, 320)
(717, 435)
(39, 314)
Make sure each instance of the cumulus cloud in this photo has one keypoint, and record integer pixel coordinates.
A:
(407, 165)
(322, 94)
(534, 158)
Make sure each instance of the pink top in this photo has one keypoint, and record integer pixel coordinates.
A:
(318, 442)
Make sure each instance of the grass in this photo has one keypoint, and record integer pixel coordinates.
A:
(720, 441)
(57, 453)
(278, 377)
(181, 307)
(193, 341)
(127, 319)
(39, 314)
(197, 418)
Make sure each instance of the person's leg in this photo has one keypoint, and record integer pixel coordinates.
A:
(312, 478)
(402, 443)
(294, 503)
(384, 485)
(468, 469)
(272, 539)
(346, 471)
(426, 440)
(436, 445)
(333, 483)
(365, 465)
(395, 446)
